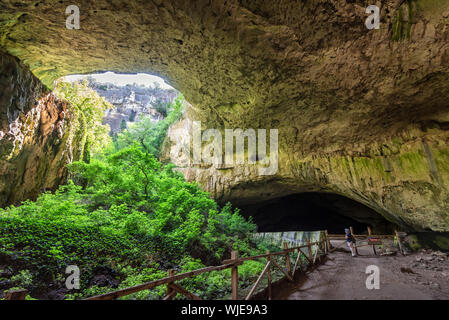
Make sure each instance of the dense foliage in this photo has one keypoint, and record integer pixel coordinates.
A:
(123, 218)
(87, 109)
(148, 134)
(127, 210)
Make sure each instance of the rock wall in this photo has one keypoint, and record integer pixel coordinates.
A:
(36, 139)
(131, 102)
(405, 178)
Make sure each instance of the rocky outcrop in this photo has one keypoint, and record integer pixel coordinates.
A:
(36, 138)
(360, 113)
(405, 178)
(131, 102)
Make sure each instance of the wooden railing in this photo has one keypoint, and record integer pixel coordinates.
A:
(371, 240)
(16, 294)
(321, 248)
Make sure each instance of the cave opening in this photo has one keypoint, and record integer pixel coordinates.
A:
(315, 211)
(132, 97)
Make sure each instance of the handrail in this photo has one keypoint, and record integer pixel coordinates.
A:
(279, 253)
(149, 285)
(226, 264)
(323, 245)
(363, 235)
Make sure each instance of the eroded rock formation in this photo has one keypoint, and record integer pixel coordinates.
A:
(132, 102)
(361, 113)
(36, 137)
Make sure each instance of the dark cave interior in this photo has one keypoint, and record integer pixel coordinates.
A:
(315, 211)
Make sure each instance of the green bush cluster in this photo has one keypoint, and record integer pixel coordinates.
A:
(126, 212)
(127, 209)
(87, 110)
(150, 135)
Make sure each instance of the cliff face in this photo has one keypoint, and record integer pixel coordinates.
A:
(404, 178)
(36, 139)
(132, 102)
(361, 113)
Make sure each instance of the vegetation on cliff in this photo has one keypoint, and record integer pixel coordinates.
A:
(148, 134)
(87, 109)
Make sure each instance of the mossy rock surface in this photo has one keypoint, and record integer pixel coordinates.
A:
(428, 240)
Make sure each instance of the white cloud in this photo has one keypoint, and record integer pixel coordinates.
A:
(122, 79)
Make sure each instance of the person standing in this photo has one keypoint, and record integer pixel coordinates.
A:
(350, 241)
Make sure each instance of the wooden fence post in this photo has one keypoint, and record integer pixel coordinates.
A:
(309, 249)
(355, 245)
(298, 261)
(171, 273)
(328, 241)
(317, 251)
(235, 276)
(324, 244)
(287, 259)
(370, 233)
(16, 294)
(269, 277)
(322, 248)
(399, 241)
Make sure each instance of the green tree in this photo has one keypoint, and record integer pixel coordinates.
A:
(148, 134)
(88, 110)
(124, 211)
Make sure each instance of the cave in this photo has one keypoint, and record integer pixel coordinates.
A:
(361, 117)
(360, 113)
(315, 211)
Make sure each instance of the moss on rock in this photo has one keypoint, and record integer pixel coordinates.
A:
(429, 240)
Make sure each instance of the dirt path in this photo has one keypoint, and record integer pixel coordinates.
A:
(422, 276)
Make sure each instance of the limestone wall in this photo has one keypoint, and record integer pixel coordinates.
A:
(36, 137)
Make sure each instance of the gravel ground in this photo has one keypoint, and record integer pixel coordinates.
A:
(422, 275)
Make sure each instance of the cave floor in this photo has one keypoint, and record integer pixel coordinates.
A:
(422, 275)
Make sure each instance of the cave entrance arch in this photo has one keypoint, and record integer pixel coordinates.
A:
(315, 211)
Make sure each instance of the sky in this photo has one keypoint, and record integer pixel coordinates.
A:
(122, 79)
